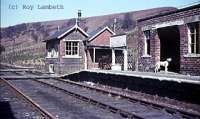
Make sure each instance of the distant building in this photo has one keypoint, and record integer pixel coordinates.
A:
(173, 35)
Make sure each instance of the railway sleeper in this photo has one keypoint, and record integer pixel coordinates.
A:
(105, 106)
(27, 99)
(154, 105)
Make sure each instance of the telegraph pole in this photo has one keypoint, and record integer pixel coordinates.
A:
(114, 25)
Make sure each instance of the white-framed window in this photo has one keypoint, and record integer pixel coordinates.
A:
(194, 38)
(52, 53)
(71, 48)
(147, 42)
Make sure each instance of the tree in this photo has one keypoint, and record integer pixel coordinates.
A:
(2, 48)
(128, 22)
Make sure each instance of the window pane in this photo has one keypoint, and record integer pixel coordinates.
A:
(76, 50)
(67, 45)
(71, 48)
(198, 37)
(198, 49)
(66, 52)
(67, 48)
(191, 29)
(147, 42)
(75, 43)
(192, 48)
(192, 38)
(147, 34)
(148, 47)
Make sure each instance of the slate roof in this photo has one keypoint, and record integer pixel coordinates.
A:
(95, 32)
(104, 42)
(170, 12)
(59, 34)
(98, 31)
(92, 35)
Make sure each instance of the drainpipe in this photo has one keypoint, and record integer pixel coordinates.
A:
(94, 55)
(85, 62)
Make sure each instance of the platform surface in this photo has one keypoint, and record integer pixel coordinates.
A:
(151, 75)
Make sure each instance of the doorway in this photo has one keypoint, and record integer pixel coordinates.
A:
(170, 46)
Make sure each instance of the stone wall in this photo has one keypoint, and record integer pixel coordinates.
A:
(184, 91)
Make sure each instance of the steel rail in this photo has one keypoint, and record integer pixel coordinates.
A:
(130, 115)
(171, 110)
(43, 112)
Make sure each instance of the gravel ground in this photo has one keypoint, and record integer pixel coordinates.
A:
(12, 107)
(120, 103)
(60, 104)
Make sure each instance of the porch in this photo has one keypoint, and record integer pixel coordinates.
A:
(107, 58)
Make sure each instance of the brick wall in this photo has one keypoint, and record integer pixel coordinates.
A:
(143, 61)
(68, 65)
(102, 39)
(90, 63)
(188, 64)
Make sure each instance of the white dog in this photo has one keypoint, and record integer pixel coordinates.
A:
(162, 63)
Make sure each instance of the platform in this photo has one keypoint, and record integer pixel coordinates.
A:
(160, 75)
(171, 85)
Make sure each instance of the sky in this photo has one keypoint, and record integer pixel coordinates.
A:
(24, 11)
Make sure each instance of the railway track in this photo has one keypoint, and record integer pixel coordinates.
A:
(60, 104)
(27, 101)
(20, 72)
(107, 99)
(117, 102)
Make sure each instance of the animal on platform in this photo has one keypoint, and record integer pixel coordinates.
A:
(165, 64)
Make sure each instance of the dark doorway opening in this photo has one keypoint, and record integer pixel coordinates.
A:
(170, 46)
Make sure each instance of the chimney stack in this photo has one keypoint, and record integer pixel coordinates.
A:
(79, 14)
(79, 17)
